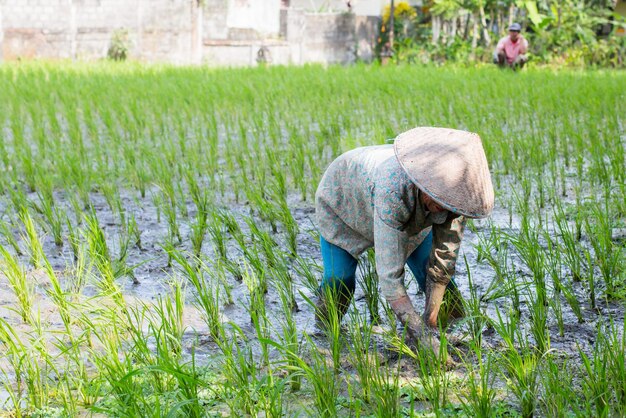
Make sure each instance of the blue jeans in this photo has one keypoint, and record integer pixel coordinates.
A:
(340, 266)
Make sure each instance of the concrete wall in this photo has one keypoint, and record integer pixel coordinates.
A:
(158, 30)
(221, 32)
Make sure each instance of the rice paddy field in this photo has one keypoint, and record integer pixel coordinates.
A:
(159, 251)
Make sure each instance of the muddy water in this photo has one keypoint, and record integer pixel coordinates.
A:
(152, 276)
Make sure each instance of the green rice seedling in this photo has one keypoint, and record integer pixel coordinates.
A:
(35, 248)
(240, 372)
(112, 196)
(100, 257)
(330, 321)
(168, 245)
(125, 393)
(283, 212)
(142, 328)
(259, 202)
(596, 386)
(308, 271)
(172, 222)
(58, 296)
(591, 280)
(18, 198)
(53, 217)
(167, 326)
(219, 271)
(434, 380)
(361, 352)
(23, 288)
(289, 336)
(527, 245)
(608, 255)
(233, 267)
(69, 344)
(134, 230)
(580, 214)
(570, 251)
(217, 231)
(268, 247)
(80, 270)
(187, 390)
(7, 233)
(539, 323)
(476, 319)
(479, 399)
(553, 264)
(257, 288)
(124, 239)
(616, 353)
(130, 235)
(166, 199)
(299, 175)
(232, 227)
(12, 400)
(433, 375)
(73, 238)
(13, 349)
(199, 193)
(76, 206)
(504, 283)
(157, 202)
(198, 232)
(520, 364)
(318, 373)
(253, 261)
(207, 296)
(369, 284)
(559, 399)
(488, 244)
(385, 388)
(32, 366)
(284, 282)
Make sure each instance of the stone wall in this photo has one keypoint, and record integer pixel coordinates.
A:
(220, 32)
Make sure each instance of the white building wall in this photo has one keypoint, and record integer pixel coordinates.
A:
(223, 32)
(262, 16)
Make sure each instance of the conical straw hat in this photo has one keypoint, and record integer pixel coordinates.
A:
(450, 166)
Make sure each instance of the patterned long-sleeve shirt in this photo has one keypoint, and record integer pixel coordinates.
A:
(365, 199)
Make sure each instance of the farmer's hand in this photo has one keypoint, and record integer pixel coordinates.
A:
(420, 334)
(434, 297)
(414, 324)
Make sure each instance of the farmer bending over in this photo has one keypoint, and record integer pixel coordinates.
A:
(409, 202)
(511, 49)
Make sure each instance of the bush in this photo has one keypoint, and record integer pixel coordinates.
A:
(118, 50)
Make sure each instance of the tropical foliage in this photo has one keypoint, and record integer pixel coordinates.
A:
(572, 32)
